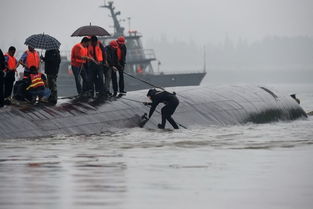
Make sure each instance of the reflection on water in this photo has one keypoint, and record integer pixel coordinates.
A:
(60, 173)
(141, 168)
(250, 166)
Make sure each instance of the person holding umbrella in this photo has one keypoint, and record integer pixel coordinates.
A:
(30, 58)
(79, 56)
(95, 69)
(52, 61)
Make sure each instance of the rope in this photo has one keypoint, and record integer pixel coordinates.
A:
(146, 82)
(132, 100)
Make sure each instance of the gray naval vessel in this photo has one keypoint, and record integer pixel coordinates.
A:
(199, 107)
(138, 63)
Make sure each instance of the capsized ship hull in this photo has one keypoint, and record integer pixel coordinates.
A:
(199, 106)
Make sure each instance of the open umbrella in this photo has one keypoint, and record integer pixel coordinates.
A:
(91, 30)
(42, 41)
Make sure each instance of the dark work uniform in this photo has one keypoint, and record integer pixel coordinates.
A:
(95, 73)
(112, 61)
(121, 66)
(52, 61)
(8, 83)
(2, 66)
(171, 102)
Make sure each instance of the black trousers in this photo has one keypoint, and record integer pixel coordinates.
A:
(167, 112)
(120, 85)
(80, 75)
(107, 72)
(1, 88)
(95, 78)
(8, 83)
(52, 85)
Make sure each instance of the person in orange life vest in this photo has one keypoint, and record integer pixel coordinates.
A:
(95, 69)
(30, 58)
(121, 56)
(36, 85)
(79, 57)
(10, 68)
(139, 69)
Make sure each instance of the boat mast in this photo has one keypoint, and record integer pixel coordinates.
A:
(118, 29)
(204, 59)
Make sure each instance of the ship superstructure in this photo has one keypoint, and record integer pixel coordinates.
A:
(138, 63)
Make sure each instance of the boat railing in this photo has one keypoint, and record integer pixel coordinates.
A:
(133, 55)
(139, 55)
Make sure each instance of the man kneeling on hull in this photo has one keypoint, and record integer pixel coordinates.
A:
(171, 102)
(36, 86)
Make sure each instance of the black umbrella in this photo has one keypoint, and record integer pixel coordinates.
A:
(91, 30)
(42, 41)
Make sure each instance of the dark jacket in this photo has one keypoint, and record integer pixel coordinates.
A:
(162, 97)
(124, 52)
(2, 66)
(111, 56)
(2, 61)
(103, 52)
(52, 61)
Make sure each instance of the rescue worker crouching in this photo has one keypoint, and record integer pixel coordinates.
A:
(171, 102)
(36, 86)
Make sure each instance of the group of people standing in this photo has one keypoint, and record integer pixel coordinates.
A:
(34, 84)
(95, 66)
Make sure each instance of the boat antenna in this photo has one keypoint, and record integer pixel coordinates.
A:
(129, 19)
(204, 59)
(119, 31)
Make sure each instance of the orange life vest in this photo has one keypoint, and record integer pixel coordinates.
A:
(139, 69)
(119, 53)
(78, 51)
(12, 62)
(36, 81)
(97, 49)
(32, 59)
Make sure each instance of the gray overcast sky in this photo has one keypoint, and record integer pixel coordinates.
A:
(197, 20)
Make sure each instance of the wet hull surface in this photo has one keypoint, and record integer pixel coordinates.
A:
(199, 106)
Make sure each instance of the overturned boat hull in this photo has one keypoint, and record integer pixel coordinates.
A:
(199, 106)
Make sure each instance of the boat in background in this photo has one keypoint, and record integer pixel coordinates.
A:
(138, 64)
